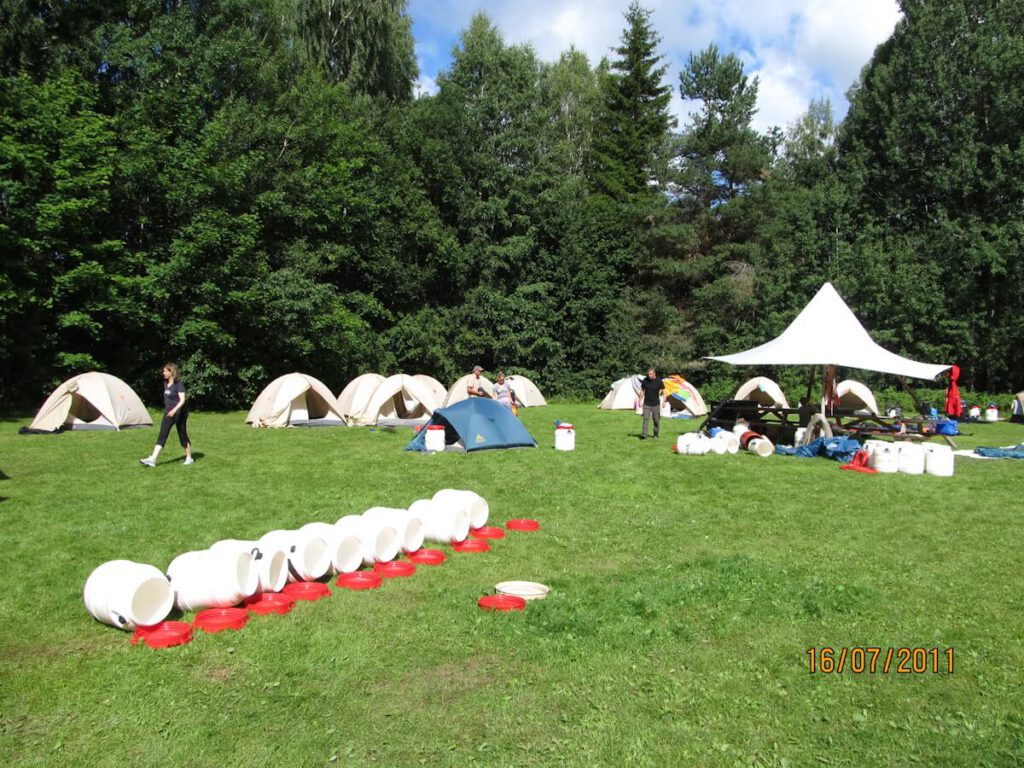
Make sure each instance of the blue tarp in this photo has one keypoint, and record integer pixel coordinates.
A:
(838, 448)
(480, 423)
(1001, 453)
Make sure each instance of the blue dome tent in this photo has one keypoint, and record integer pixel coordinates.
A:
(479, 424)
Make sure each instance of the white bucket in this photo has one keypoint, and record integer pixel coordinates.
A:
(271, 563)
(308, 558)
(683, 443)
(761, 446)
(443, 523)
(344, 549)
(126, 595)
(206, 579)
(974, 412)
(725, 442)
(911, 459)
(740, 429)
(380, 543)
(884, 459)
(434, 441)
(991, 414)
(404, 521)
(472, 502)
(565, 438)
(939, 460)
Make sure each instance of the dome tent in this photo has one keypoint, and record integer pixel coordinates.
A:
(357, 393)
(763, 390)
(440, 393)
(398, 399)
(459, 390)
(91, 400)
(295, 400)
(853, 394)
(476, 424)
(528, 394)
(624, 395)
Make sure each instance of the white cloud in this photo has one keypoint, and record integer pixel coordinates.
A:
(799, 49)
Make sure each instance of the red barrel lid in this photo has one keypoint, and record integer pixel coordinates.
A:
(164, 635)
(360, 580)
(219, 619)
(471, 545)
(269, 602)
(394, 568)
(307, 590)
(487, 532)
(435, 426)
(501, 603)
(564, 426)
(522, 524)
(426, 557)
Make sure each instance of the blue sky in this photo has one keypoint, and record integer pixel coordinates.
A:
(799, 49)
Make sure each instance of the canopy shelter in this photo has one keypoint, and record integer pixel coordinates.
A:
(295, 400)
(476, 424)
(460, 389)
(528, 394)
(399, 399)
(856, 396)
(91, 400)
(357, 393)
(623, 395)
(762, 390)
(681, 395)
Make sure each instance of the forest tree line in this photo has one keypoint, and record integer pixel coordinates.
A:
(251, 187)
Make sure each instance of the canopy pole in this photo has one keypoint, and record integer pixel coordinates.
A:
(810, 382)
(913, 395)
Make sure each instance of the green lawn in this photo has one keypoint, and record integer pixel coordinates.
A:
(685, 594)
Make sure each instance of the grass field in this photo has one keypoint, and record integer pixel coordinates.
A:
(686, 593)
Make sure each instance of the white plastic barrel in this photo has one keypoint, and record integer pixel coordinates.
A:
(308, 558)
(565, 438)
(434, 440)
(474, 504)
(991, 414)
(126, 594)
(343, 548)
(939, 460)
(761, 446)
(725, 442)
(911, 459)
(884, 459)
(206, 579)
(380, 543)
(974, 412)
(271, 563)
(404, 521)
(683, 443)
(443, 523)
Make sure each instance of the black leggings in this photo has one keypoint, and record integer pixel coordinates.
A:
(165, 428)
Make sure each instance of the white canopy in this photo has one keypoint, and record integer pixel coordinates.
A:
(826, 332)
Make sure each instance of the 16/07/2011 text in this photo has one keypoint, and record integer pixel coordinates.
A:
(876, 659)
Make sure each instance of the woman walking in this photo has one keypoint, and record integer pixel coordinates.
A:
(175, 413)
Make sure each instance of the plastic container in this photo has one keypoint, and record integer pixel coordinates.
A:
(911, 459)
(441, 522)
(360, 580)
(501, 603)
(269, 602)
(565, 437)
(208, 579)
(991, 414)
(471, 545)
(307, 590)
(344, 549)
(974, 412)
(939, 460)
(380, 542)
(218, 619)
(426, 557)
(395, 569)
(885, 459)
(308, 557)
(522, 524)
(126, 595)
(434, 440)
(487, 532)
(761, 446)
(406, 522)
(166, 634)
(528, 590)
(271, 563)
(474, 504)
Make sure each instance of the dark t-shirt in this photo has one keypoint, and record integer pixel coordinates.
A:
(651, 388)
(171, 394)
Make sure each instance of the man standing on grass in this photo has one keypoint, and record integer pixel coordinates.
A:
(653, 389)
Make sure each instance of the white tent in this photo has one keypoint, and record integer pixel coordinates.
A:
(853, 394)
(357, 393)
(623, 395)
(459, 390)
(826, 332)
(92, 400)
(763, 390)
(397, 399)
(295, 400)
(440, 393)
(682, 395)
(527, 393)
